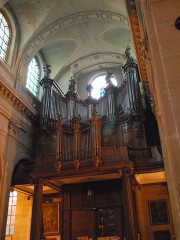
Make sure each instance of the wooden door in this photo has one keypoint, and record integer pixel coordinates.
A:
(162, 235)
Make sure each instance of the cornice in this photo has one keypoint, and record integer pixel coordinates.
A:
(17, 102)
(139, 41)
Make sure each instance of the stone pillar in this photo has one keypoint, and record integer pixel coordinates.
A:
(8, 139)
(129, 205)
(37, 214)
(155, 20)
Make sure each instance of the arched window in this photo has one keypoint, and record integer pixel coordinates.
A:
(11, 213)
(99, 84)
(4, 37)
(33, 77)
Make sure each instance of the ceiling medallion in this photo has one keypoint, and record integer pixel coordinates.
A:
(177, 23)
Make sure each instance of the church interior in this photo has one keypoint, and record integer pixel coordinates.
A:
(89, 120)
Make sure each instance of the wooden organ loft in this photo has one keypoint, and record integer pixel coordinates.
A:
(88, 151)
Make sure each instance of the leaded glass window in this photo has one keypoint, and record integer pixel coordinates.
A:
(4, 37)
(33, 77)
(11, 213)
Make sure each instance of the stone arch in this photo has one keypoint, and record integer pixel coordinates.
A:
(21, 172)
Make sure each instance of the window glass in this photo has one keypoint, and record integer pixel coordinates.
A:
(11, 213)
(33, 77)
(99, 84)
(4, 37)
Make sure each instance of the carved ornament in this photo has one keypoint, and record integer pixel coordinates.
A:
(13, 128)
(140, 43)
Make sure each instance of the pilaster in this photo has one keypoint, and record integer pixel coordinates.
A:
(157, 18)
(8, 150)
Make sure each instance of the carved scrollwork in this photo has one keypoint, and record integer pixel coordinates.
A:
(126, 171)
(13, 128)
(144, 50)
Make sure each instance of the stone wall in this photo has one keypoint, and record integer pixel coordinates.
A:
(23, 218)
(144, 196)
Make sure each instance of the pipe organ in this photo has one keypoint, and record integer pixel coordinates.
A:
(81, 140)
(83, 128)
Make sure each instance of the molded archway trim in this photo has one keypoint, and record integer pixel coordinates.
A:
(35, 45)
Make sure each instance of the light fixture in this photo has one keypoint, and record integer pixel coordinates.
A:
(89, 192)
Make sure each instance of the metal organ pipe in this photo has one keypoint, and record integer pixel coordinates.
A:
(111, 101)
(46, 84)
(132, 75)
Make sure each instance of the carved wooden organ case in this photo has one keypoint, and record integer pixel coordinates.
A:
(73, 131)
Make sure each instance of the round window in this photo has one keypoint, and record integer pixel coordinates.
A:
(99, 84)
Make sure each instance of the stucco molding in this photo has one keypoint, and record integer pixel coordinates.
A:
(36, 43)
(106, 60)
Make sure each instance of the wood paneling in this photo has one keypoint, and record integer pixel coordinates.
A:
(82, 224)
(80, 212)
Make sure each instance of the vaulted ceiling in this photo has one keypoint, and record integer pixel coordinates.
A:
(73, 36)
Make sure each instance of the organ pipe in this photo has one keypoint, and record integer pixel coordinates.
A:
(46, 84)
(132, 77)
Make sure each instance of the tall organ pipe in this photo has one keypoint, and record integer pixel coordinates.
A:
(111, 101)
(132, 76)
(46, 84)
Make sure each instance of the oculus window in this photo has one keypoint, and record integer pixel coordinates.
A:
(4, 37)
(99, 85)
(33, 77)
